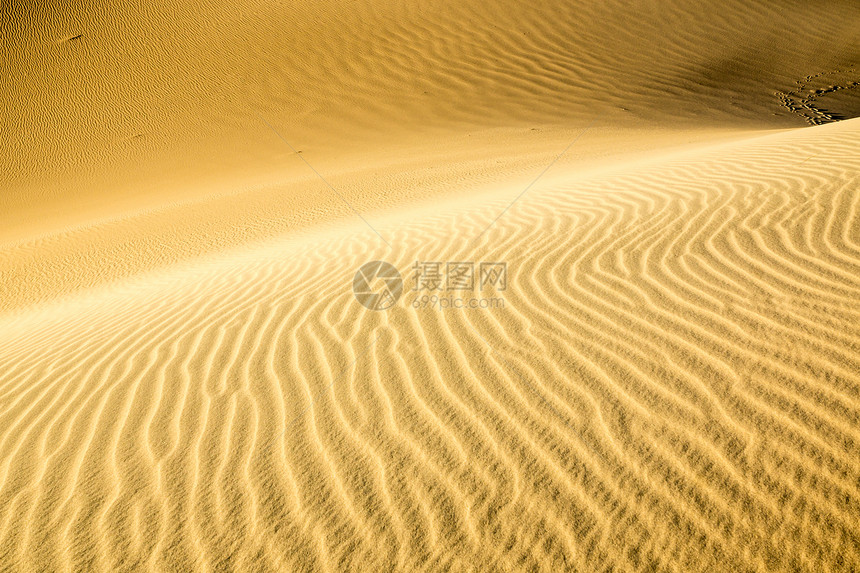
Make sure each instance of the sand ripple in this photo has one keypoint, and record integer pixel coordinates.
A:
(672, 386)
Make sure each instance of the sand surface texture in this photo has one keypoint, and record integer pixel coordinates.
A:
(668, 381)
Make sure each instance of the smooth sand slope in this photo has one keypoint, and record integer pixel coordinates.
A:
(187, 382)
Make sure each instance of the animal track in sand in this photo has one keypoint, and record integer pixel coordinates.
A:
(804, 99)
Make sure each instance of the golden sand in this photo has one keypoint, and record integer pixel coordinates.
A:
(672, 383)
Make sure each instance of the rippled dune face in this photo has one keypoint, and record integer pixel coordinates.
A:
(430, 286)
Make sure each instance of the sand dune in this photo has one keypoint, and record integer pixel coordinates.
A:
(153, 104)
(672, 385)
(669, 382)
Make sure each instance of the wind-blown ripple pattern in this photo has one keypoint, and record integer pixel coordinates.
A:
(672, 386)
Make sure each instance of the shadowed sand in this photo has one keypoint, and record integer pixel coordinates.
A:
(187, 382)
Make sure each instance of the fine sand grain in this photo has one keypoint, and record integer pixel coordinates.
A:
(671, 381)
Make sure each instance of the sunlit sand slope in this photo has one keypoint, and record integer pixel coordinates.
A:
(672, 386)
